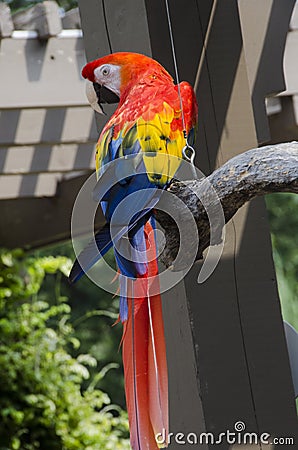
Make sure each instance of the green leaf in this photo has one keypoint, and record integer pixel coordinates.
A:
(44, 403)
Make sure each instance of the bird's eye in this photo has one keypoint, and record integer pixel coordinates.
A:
(105, 70)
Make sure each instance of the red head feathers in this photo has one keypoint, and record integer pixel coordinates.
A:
(120, 70)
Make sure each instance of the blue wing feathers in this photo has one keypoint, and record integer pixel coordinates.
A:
(129, 176)
(91, 253)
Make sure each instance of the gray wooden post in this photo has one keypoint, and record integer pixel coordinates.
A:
(227, 353)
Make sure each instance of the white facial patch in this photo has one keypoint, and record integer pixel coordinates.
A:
(108, 75)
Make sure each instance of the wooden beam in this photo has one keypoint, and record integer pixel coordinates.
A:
(112, 28)
(273, 105)
(96, 39)
(43, 18)
(290, 64)
(71, 19)
(238, 335)
(294, 18)
(120, 18)
(48, 73)
(35, 159)
(284, 125)
(233, 340)
(263, 46)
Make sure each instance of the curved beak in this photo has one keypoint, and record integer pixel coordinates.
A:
(97, 95)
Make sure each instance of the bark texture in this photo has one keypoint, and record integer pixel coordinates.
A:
(257, 172)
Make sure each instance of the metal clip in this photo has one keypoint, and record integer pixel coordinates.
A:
(190, 157)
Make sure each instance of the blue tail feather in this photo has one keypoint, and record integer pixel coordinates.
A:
(123, 306)
(139, 251)
(91, 253)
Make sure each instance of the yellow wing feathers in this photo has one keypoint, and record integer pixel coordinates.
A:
(157, 133)
(162, 146)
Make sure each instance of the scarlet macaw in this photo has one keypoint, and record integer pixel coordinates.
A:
(149, 122)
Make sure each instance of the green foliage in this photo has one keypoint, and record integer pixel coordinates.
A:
(283, 216)
(42, 403)
(94, 311)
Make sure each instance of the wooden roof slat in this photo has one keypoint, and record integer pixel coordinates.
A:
(6, 23)
(264, 49)
(43, 18)
(37, 185)
(47, 158)
(34, 221)
(71, 19)
(52, 125)
(47, 75)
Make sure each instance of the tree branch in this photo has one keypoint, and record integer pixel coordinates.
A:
(257, 172)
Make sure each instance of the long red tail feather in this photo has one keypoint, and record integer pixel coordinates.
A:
(144, 359)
